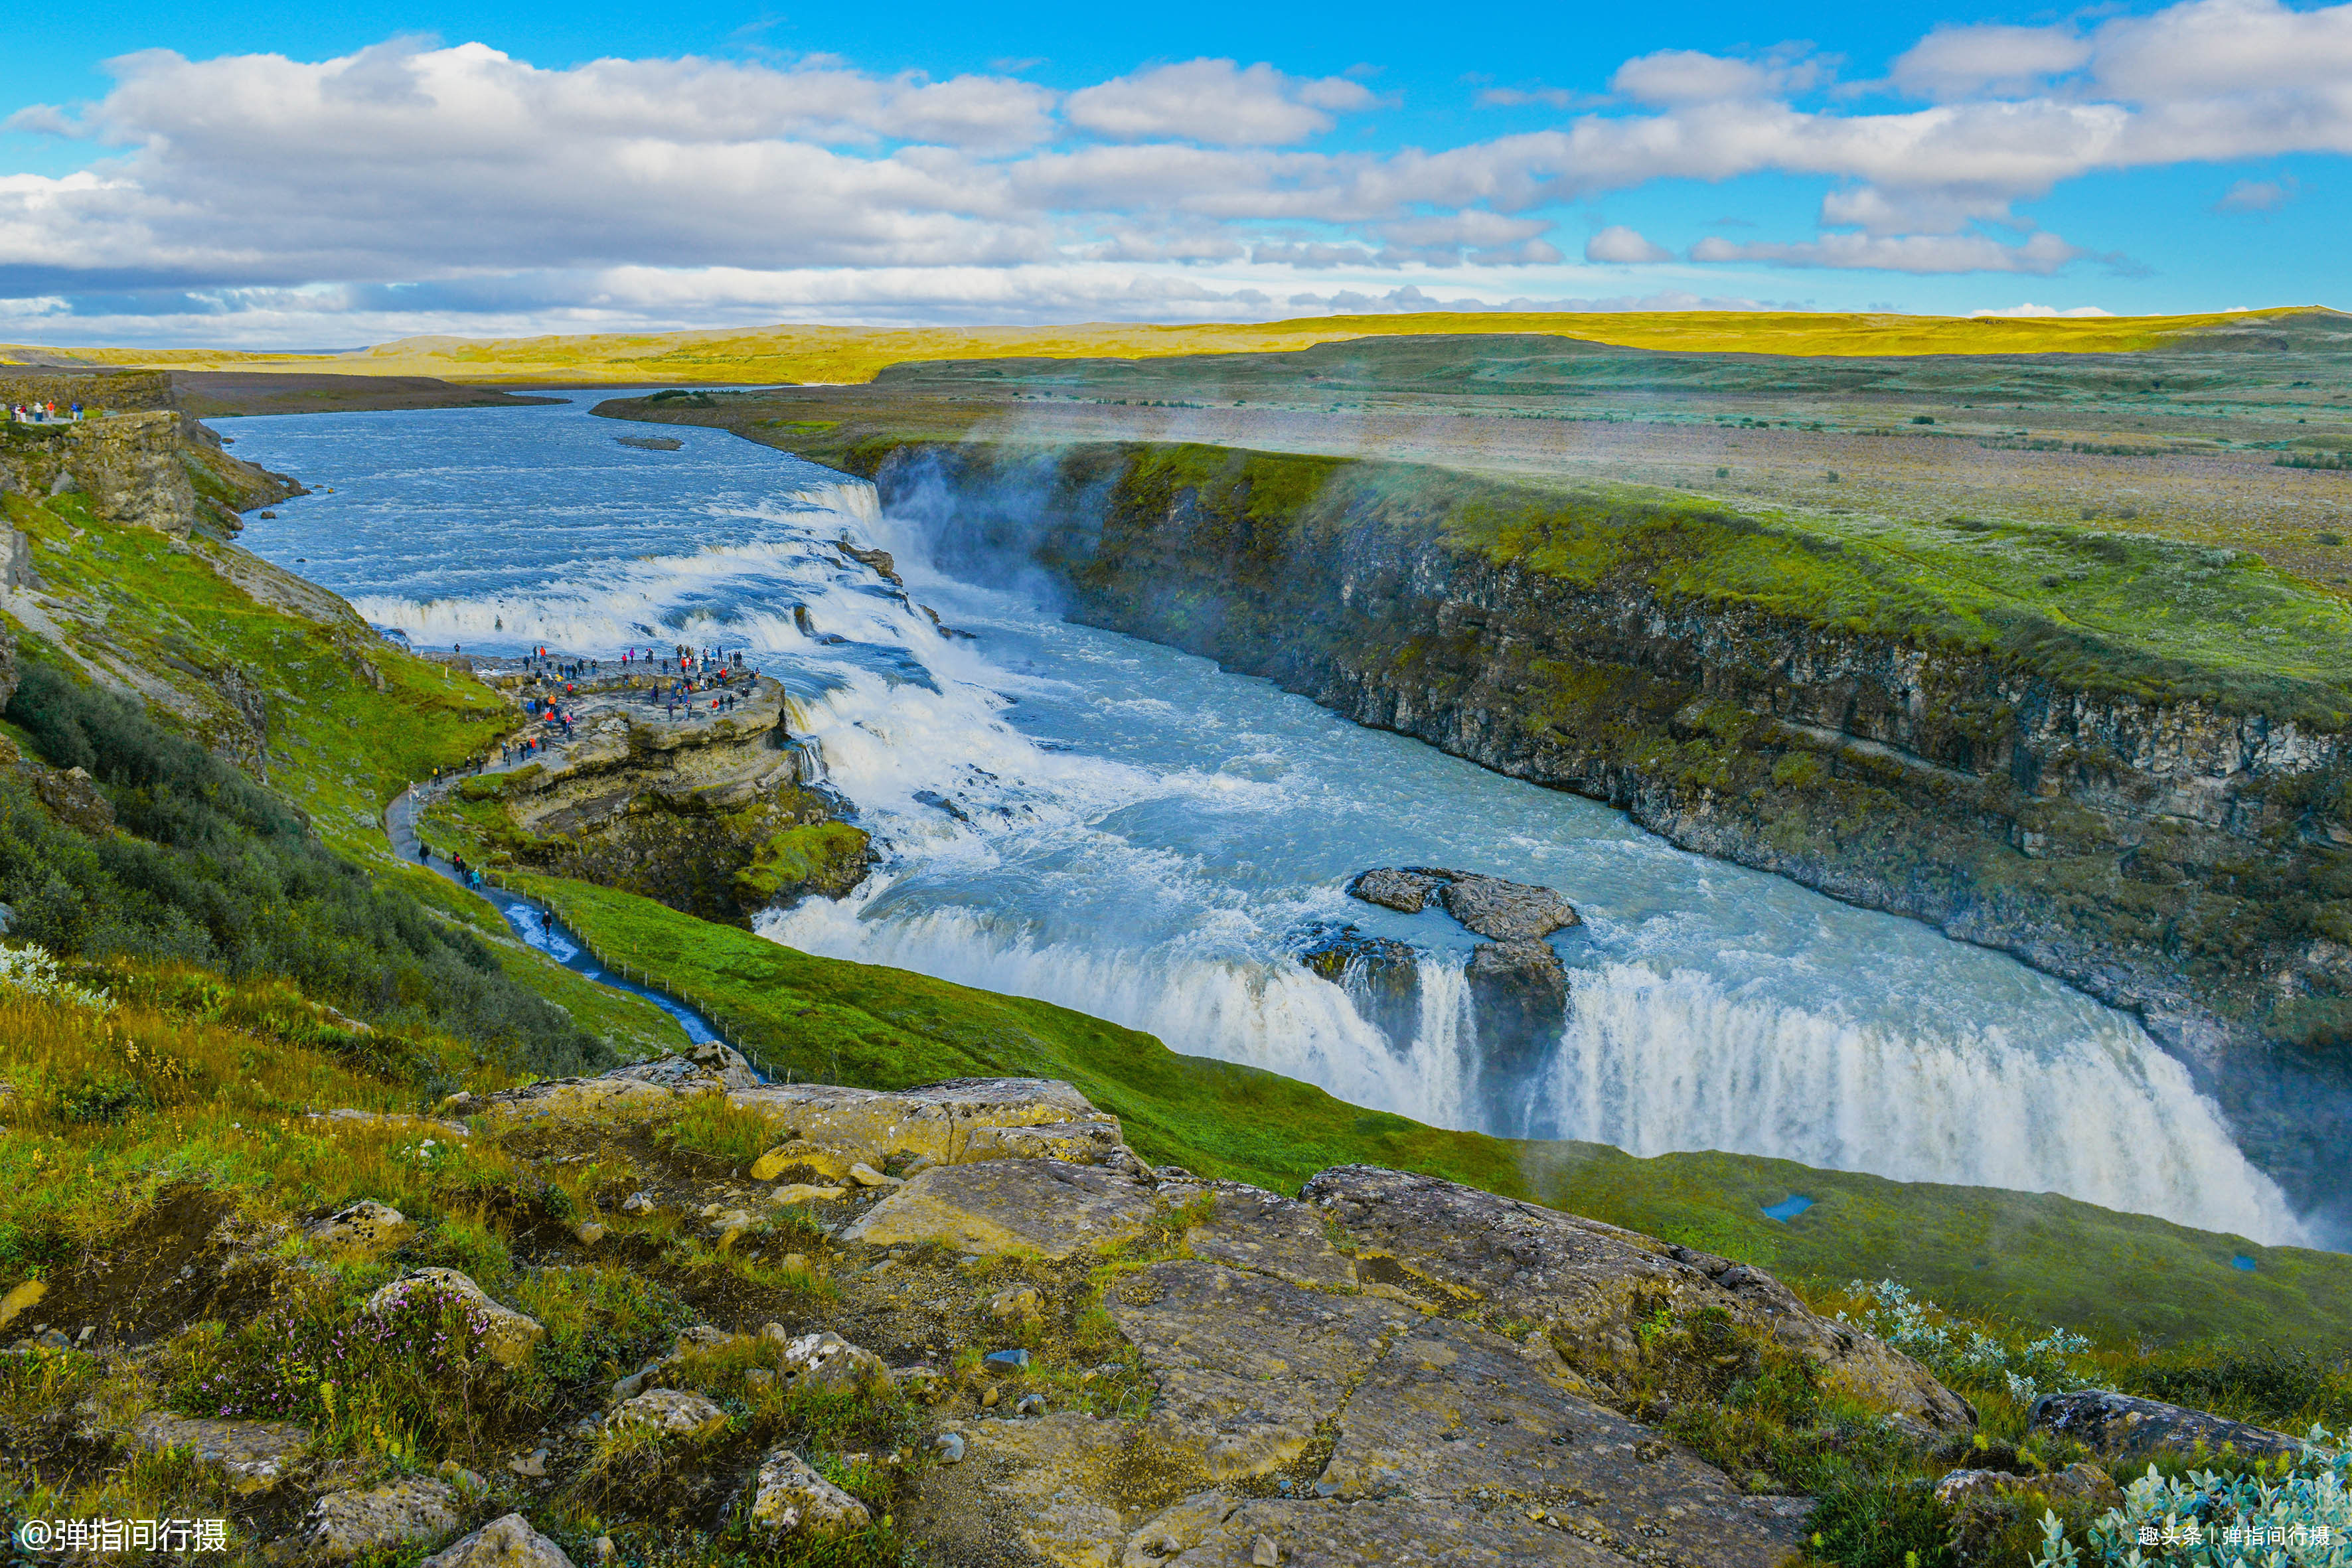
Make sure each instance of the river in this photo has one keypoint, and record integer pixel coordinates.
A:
(1074, 815)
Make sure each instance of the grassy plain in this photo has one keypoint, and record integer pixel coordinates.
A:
(2196, 439)
(820, 353)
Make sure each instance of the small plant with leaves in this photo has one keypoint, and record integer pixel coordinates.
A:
(1962, 1351)
(34, 970)
(2298, 1517)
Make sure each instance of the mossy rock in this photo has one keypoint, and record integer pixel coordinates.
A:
(826, 858)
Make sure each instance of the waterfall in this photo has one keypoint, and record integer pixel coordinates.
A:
(1067, 813)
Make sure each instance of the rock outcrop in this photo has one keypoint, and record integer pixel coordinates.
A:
(789, 1500)
(1497, 909)
(1591, 1286)
(1380, 976)
(1316, 1375)
(1519, 986)
(346, 1525)
(508, 1541)
(2128, 1429)
(705, 811)
(250, 1455)
(668, 1412)
(508, 1336)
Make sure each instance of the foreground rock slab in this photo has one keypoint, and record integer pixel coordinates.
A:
(1266, 1233)
(1383, 1532)
(1047, 1206)
(252, 1456)
(1454, 1413)
(362, 1227)
(669, 1413)
(1591, 1285)
(1247, 1367)
(790, 1499)
(1053, 1482)
(341, 1526)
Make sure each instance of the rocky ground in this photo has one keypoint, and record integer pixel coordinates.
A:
(978, 1319)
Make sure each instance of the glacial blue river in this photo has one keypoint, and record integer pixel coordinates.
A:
(1074, 815)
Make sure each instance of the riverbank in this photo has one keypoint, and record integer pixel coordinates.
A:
(216, 394)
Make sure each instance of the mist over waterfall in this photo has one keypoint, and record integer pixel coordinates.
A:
(1071, 815)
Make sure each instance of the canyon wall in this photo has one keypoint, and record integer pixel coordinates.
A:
(2177, 856)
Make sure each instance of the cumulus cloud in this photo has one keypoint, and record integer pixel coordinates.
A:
(1619, 244)
(1676, 76)
(1216, 101)
(1962, 62)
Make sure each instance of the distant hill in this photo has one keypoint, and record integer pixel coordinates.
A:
(820, 353)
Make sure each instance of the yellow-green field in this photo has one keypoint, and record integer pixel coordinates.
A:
(813, 353)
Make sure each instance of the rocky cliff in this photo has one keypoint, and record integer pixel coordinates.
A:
(2169, 846)
(139, 460)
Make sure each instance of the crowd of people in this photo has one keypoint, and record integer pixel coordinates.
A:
(44, 413)
(686, 681)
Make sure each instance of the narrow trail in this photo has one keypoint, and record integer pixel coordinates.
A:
(532, 922)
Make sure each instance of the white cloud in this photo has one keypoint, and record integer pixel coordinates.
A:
(1962, 62)
(1214, 102)
(1619, 244)
(1918, 253)
(1558, 98)
(1676, 76)
(1409, 298)
(2258, 195)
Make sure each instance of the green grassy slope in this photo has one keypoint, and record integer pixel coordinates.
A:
(285, 679)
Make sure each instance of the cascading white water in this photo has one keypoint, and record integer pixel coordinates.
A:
(1648, 1058)
(1073, 815)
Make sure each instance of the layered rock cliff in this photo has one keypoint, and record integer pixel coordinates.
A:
(2168, 849)
(703, 811)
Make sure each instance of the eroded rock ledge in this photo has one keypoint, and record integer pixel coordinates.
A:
(705, 811)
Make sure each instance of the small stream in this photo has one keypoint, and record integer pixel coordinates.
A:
(1073, 814)
(536, 926)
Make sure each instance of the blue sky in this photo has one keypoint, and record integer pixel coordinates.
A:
(274, 175)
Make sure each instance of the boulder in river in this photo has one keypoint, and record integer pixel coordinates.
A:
(1408, 892)
(1520, 992)
(1381, 978)
(1506, 912)
(1497, 909)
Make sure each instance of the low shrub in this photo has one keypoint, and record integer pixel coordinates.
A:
(412, 1377)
